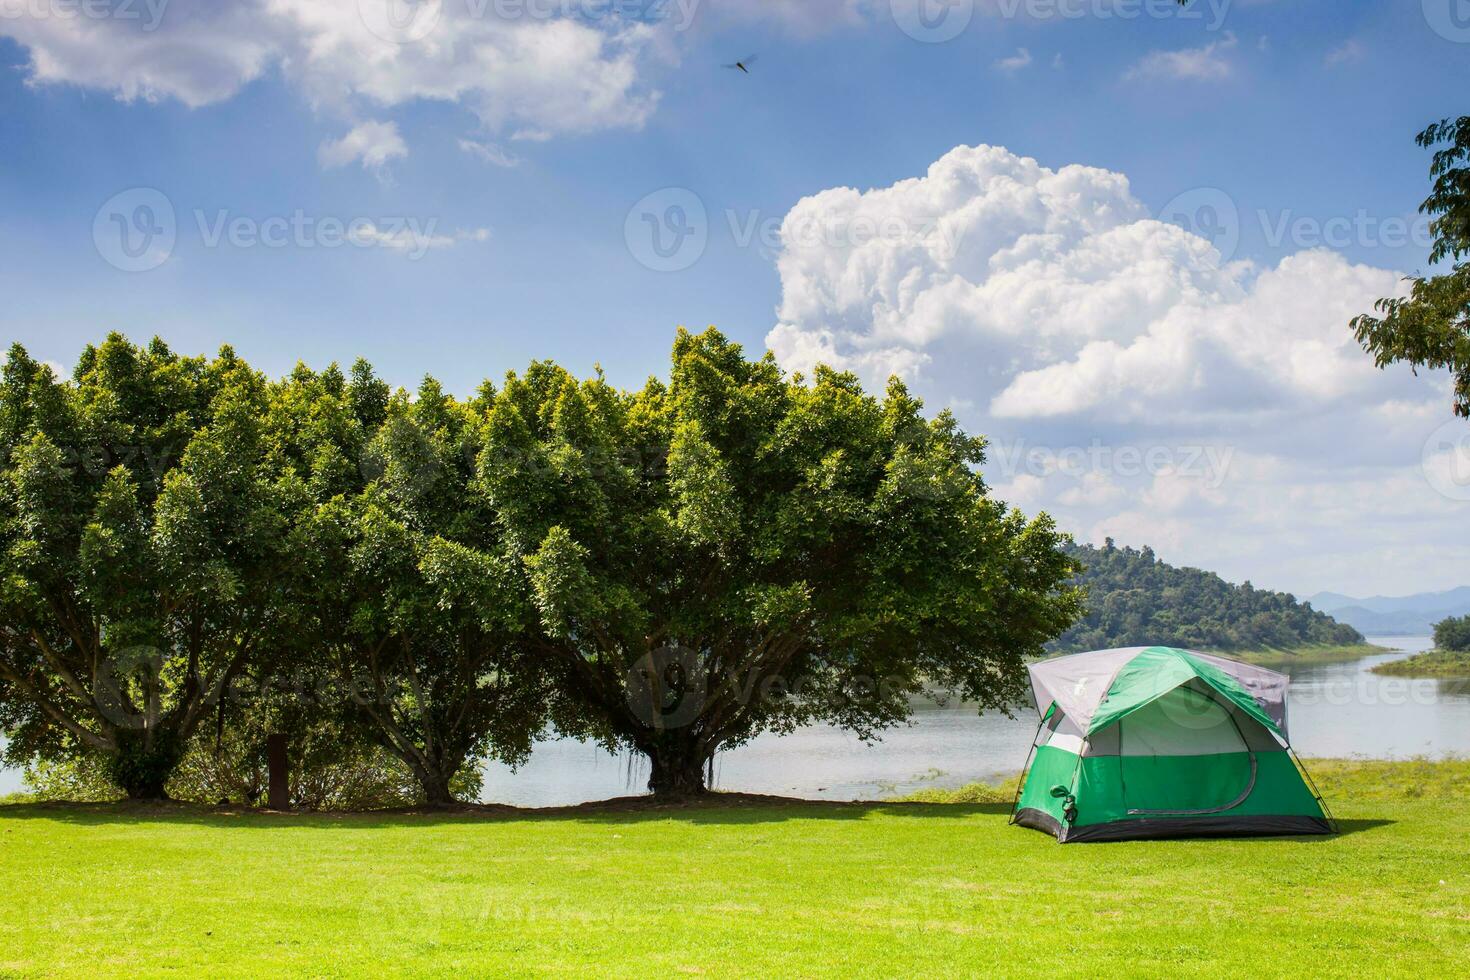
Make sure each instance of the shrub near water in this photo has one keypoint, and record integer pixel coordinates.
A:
(969, 793)
(1453, 634)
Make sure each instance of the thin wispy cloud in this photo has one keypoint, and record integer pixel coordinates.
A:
(1209, 62)
(1014, 63)
(489, 153)
(412, 239)
(1346, 53)
(373, 143)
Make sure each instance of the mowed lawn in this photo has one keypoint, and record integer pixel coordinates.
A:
(789, 890)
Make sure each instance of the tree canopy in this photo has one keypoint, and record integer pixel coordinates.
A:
(1431, 326)
(417, 610)
(432, 580)
(1134, 600)
(143, 546)
(741, 551)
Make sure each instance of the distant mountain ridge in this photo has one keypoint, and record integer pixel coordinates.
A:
(1394, 615)
(1135, 599)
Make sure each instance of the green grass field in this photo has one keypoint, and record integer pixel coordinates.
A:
(733, 888)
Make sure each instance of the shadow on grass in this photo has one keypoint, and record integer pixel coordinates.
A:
(733, 809)
(722, 808)
(1347, 827)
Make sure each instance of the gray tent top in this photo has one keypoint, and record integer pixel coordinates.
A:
(1078, 683)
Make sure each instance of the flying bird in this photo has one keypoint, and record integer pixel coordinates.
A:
(743, 64)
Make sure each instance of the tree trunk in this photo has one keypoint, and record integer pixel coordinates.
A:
(435, 783)
(152, 790)
(677, 767)
(435, 772)
(144, 763)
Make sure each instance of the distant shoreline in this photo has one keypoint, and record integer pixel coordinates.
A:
(1430, 663)
(1268, 656)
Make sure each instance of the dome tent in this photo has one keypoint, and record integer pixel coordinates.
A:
(1161, 742)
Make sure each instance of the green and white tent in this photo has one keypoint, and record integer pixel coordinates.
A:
(1160, 742)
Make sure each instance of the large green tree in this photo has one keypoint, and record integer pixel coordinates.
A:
(419, 613)
(1431, 326)
(144, 557)
(741, 551)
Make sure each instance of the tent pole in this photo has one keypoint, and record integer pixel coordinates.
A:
(1331, 820)
(1021, 780)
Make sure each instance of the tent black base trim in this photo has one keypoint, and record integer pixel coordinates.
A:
(1161, 827)
(1039, 820)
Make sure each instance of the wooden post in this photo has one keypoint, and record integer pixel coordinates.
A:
(280, 772)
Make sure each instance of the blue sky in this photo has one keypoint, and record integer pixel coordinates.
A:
(517, 186)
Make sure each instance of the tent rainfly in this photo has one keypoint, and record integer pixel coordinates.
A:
(1160, 742)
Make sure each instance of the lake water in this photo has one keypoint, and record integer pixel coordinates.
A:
(1333, 710)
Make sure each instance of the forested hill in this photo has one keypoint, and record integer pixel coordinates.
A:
(1134, 599)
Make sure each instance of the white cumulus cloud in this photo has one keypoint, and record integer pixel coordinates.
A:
(551, 75)
(1074, 296)
(1133, 383)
